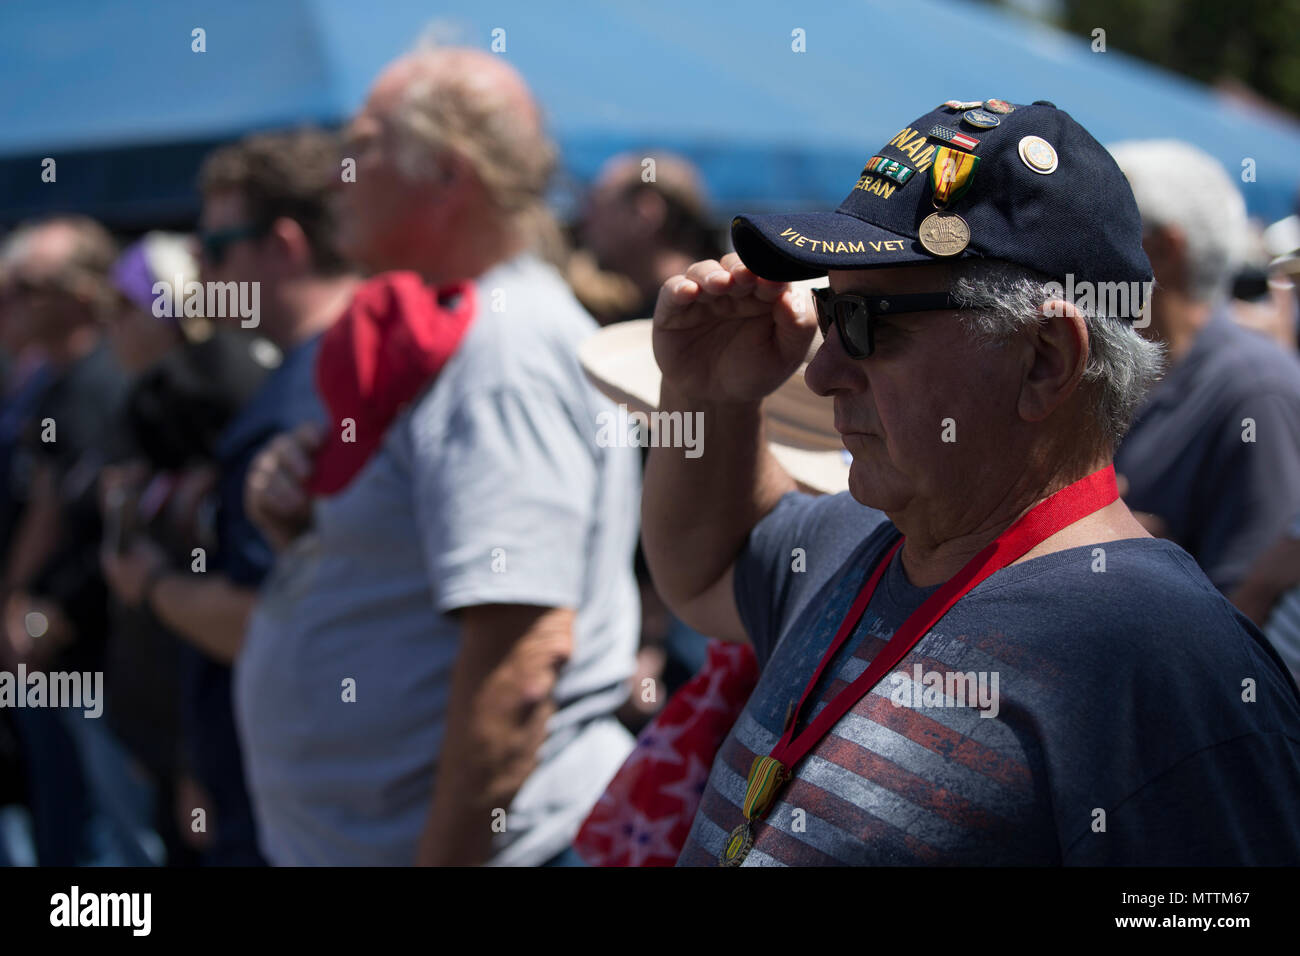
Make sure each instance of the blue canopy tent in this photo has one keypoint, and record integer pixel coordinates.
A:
(115, 94)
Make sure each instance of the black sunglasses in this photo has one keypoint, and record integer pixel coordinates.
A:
(217, 242)
(854, 315)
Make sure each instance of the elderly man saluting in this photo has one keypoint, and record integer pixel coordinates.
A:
(977, 655)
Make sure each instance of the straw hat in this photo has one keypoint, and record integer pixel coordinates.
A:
(1282, 240)
(800, 426)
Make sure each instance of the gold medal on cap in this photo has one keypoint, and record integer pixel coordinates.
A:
(944, 233)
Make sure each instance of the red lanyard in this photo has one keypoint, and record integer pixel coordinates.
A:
(768, 774)
(1061, 510)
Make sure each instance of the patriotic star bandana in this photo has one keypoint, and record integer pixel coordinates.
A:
(645, 814)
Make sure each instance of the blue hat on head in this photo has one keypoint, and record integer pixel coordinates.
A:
(1025, 184)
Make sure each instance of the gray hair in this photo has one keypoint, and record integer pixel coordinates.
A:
(14, 246)
(1122, 365)
(467, 114)
(1176, 184)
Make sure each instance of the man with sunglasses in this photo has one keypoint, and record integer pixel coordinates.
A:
(266, 219)
(977, 655)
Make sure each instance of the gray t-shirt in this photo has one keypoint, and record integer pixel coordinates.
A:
(489, 488)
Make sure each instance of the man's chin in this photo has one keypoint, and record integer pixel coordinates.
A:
(869, 480)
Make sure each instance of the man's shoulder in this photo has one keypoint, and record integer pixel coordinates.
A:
(819, 519)
(1131, 633)
(1249, 363)
(524, 339)
(85, 401)
(1132, 605)
(92, 381)
(527, 300)
(1145, 579)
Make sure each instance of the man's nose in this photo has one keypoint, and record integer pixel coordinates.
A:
(831, 369)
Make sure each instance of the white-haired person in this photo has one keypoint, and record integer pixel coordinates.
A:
(977, 655)
(432, 672)
(1214, 453)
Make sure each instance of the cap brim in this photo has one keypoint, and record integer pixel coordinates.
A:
(1286, 265)
(619, 360)
(787, 247)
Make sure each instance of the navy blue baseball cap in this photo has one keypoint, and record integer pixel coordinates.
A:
(1044, 194)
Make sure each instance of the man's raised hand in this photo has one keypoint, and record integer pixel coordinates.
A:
(722, 334)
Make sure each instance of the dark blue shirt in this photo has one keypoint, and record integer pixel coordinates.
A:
(1189, 459)
(1114, 709)
(286, 399)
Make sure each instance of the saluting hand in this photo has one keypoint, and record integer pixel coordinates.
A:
(722, 334)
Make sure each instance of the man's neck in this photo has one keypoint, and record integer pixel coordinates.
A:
(310, 306)
(934, 553)
(1177, 320)
(485, 244)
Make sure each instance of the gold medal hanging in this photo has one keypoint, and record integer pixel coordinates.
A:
(945, 233)
(766, 777)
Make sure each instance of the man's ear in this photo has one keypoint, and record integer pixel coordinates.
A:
(1166, 248)
(1056, 357)
(291, 242)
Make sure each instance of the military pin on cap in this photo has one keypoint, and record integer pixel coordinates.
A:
(999, 106)
(1038, 154)
(981, 119)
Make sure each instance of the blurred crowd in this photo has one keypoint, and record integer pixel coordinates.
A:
(475, 574)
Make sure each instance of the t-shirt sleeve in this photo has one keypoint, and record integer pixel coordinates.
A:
(794, 550)
(1258, 488)
(505, 496)
(1232, 803)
